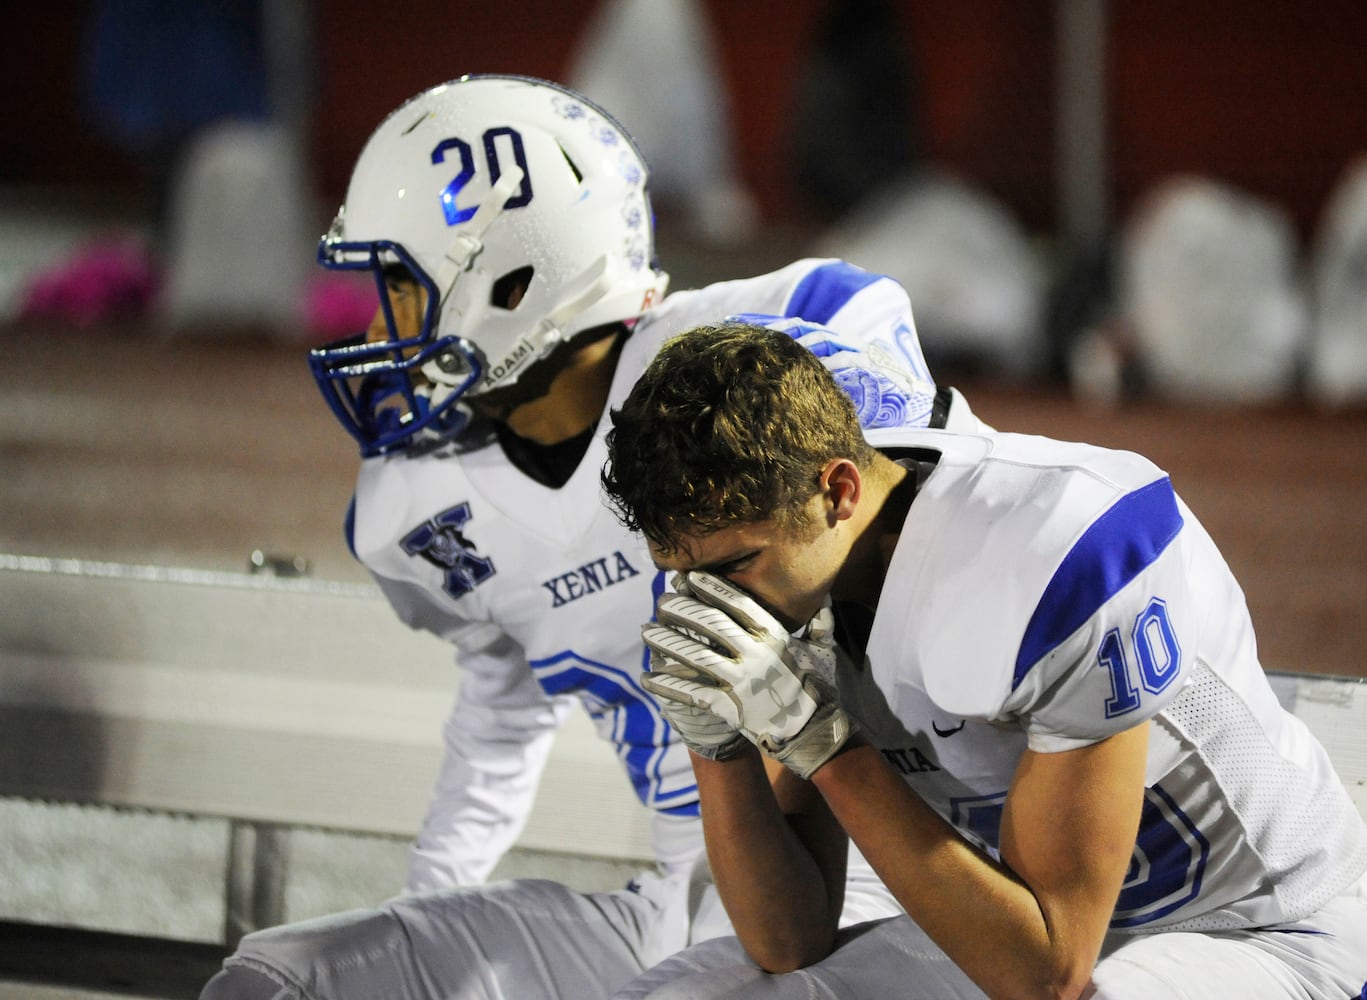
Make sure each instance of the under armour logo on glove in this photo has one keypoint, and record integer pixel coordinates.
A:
(885, 393)
(769, 685)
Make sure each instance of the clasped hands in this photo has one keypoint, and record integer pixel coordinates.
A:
(727, 673)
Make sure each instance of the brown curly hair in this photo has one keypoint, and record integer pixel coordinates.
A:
(729, 424)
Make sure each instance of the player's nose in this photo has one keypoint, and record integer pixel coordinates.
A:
(378, 330)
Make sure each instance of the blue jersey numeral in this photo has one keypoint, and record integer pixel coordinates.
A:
(615, 699)
(1156, 662)
(1168, 865)
(1166, 869)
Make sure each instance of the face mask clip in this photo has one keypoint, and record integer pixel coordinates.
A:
(469, 242)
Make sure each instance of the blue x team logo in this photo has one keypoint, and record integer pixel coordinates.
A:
(439, 540)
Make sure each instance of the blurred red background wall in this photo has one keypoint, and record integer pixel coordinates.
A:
(1267, 95)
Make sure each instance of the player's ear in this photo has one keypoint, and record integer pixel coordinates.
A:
(842, 486)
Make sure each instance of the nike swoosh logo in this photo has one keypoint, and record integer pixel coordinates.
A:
(947, 732)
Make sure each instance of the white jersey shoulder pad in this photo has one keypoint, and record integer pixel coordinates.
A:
(1014, 546)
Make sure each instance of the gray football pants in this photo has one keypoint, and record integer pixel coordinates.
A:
(1323, 957)
(521, 940)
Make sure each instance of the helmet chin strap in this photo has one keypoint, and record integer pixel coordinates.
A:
(447, 371)
(597, 281)
(468, 242)
(594, 281)
(467, 245)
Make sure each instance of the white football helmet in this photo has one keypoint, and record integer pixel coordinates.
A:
(477, 189)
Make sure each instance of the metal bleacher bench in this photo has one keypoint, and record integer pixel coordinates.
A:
(281, 702)
(273, 702)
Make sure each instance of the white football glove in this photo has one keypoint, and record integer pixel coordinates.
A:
(715, 649)
(703, 732)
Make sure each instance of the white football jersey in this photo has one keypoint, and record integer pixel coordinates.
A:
(543, 591)
(1046, 595)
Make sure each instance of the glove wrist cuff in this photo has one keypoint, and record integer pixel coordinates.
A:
(828, 730)
(722, 751)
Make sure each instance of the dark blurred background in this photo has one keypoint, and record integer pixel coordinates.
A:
(1266, 95)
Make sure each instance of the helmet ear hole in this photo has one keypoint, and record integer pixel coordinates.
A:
(508, 291)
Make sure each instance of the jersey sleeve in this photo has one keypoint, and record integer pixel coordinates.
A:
(496, 742)
(860, 324)
(496, 739)
(885, 370)
(873, 309)
(1104, 648)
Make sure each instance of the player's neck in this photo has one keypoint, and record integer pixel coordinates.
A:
(575, 400)
(888, 492)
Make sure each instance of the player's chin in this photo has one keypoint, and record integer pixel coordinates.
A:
(793, 624)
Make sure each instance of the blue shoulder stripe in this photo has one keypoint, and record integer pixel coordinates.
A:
(1118, 546)
(825, 290)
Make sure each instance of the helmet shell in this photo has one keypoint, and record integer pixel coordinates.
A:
(576, 227)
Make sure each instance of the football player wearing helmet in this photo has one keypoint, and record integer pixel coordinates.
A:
(507, 226)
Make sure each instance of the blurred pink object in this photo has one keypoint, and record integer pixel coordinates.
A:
(338, 305)
(109, 280)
